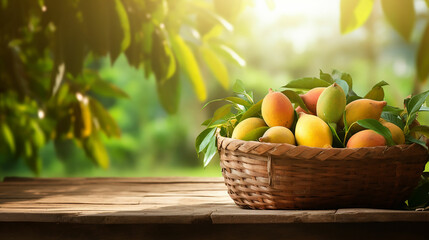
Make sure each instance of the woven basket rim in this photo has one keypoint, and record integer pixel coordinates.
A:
(279, 149)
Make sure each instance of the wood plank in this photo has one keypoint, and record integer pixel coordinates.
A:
(380, 215)
(103, 180)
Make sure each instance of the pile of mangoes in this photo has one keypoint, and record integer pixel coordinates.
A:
(314, 128)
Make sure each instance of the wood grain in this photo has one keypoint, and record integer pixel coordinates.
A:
(157, 201)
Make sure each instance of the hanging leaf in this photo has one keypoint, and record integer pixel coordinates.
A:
(38, 135)
(343, 84)
(229, 54)
(169, 92)
(307, 83)
(96, 14)
(295, 98)
(7, 135)
(217, 67)
(107, 89)
(188, 62)
(221, 112)
(210, 152)
(239, 101)
(95, 150)
(354, 13)
(378, 128)
(104, 119)
(31, 156)
(229, 9)
(83, 119)
(204, 139)
(377, 92)
(336, 139)
(401, 16)
(422, 63)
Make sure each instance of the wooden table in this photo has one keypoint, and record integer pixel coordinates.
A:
(179, 208)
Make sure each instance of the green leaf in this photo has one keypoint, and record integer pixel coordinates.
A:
(295, 98)
(83, 119)
(354, 13)
(395, 119)
(125, 24)
(409, 139)
(32, 157)
(107, 89)
(169, 92)
(253, 111)
(343, 84)
(326, 77)
(229, 54)
(221, 112)
(8, 136)
(38, 135)
(255, 134)
(393, 110)
(238, 87)
(352, 98)
(379, 128)
(420, 196)
(104, 119)
(336, 139)
(210, 152)
(216, 66)
(377, 92)
(239, 101)
(422, 63)
(421, 129)
(416, 102)
(206, 122)
(95, 150)
(188, 62)
(307, 83)
(401, 15)
(204, 139)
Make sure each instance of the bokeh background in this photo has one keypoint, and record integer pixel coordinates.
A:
(281, 41)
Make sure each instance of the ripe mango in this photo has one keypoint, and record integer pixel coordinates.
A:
(366, 138)
(397, 133)
(313, 132)
(277, 110)
(363, 109)
(311, 97)
(278, 134)
(331, 104)
(247, 125)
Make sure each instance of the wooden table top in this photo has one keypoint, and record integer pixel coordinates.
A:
(157, 201)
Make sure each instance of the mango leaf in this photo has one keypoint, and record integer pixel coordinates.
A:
(409, 139)
(414, 104)
(343, 84)
(393, 118)
(238, 87)
(295, 98)
(352, 98)
(104, 119)
(422, 63)
(393, 110)
(421, 129)
(169, 92)
(307, 83)
(38, 135)
(336, 139)
(255, 134)
(326, 77)
(427, 2)
(239, 101)
(344, 76)
(206, 122)
(379, 128)
(401, 15)
(204, 138)
(8, 136)
(107, 89)
(210, 152)
(377, 92)
(354, 13)
(95, 150)
(125, 24)
(188, 62)
(32, 157)
(253, 111)
(216, 66)
(229, 54)
(419, 198)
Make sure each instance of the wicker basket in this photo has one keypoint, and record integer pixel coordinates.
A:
(282, 176)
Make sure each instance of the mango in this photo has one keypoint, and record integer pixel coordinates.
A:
(246, 126)
(313, 132)
(301, 110)
(278, 134)
(331, 104)
(363, 109)
(277, 110)
(366, 138)
(397, 133)
(311, 97)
